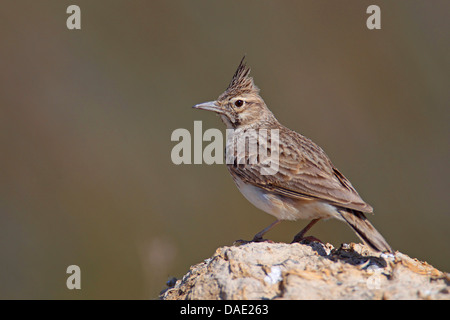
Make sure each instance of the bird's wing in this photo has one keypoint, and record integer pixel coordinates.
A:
(302, 171)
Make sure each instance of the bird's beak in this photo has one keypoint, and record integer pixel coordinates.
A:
(209, 106)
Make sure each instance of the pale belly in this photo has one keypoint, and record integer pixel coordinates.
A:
(284, 208)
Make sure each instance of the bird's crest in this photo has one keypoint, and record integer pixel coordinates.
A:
(241, 82)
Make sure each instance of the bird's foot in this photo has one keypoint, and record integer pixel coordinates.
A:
(306, 239)
(255, 239)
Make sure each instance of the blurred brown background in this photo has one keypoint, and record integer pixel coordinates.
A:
(86, 118)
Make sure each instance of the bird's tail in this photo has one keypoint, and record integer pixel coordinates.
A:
(365, 230)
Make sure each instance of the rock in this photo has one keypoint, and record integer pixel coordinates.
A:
(309, 271)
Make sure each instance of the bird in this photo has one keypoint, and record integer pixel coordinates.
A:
(305, 184)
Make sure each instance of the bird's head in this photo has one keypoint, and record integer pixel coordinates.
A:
(240, 104)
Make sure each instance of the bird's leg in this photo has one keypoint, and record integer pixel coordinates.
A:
(259, 236)
(301, 235)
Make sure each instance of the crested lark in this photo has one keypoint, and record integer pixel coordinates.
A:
(306, 185)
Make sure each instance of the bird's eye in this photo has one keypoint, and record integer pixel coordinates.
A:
(239, 103)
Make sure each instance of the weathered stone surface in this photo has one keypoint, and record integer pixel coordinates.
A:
(309, 271)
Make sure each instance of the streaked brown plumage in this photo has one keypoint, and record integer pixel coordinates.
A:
(306, 185)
